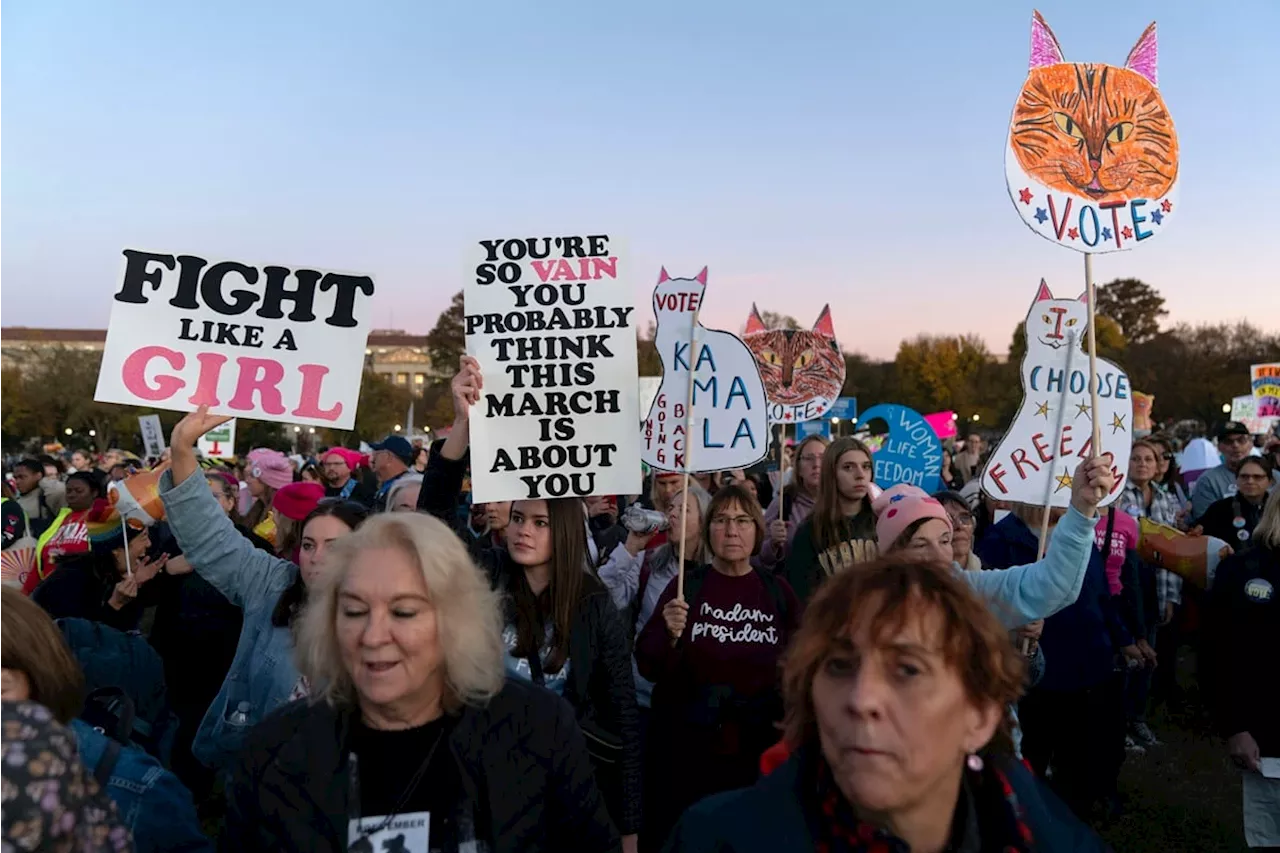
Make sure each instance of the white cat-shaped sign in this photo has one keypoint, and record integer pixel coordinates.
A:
(730, 425)
(1052, 433)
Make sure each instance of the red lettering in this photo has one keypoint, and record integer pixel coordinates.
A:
(1064, 447)
(134, 373)
(206, 392)
(1019, 458)
(1059, 227)
(1040, 447)
(1115, 217)
(997, 476)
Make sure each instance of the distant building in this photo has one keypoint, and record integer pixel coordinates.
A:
(393, 353)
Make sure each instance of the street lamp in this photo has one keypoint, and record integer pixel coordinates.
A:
(397, 429)
(92, 433)
(311, 430)
(67, 431)
(297, 430)
(977, 418)
(1226, 408)
(955, 416)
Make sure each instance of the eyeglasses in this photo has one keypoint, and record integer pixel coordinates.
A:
(1251, 477)
(739, 521)
(809, 457)
(961, 519)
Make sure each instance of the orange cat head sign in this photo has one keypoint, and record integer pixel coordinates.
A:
(1092, 159)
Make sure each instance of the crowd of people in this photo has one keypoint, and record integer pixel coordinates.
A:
(347, 653)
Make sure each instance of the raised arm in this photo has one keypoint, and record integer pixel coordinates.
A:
(209, 541)
(1023, 594)
(447, 465)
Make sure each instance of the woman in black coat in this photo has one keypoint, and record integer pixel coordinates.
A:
(561, 628)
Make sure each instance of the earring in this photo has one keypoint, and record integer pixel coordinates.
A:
(974, 762)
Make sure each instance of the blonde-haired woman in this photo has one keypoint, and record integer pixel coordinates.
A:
(412, 734)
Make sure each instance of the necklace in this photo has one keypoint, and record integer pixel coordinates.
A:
(414, 782)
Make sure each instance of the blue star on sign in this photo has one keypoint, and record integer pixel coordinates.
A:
(1106, 233)
(1157, 217)
(1041, 216)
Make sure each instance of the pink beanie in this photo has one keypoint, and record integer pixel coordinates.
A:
(898, 508)
(271, 467)
(353, 458)
(297, 500)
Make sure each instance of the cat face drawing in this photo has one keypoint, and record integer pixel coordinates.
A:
(1098, 132)
(1056, 323)
(797, 365)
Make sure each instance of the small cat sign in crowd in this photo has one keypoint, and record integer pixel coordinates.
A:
(579, 623)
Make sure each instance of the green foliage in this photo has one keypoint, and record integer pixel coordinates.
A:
(1136, 306)
(934, 373)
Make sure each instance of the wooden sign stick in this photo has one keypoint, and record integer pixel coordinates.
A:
(1048, 489)
(688, 449)
(1091, 295)
(782, 472)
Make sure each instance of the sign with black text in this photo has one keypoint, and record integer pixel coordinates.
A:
(267, 342)
(551, 321)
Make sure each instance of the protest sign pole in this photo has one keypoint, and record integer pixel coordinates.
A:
(1091, 296)
(124, 532)
(688, 448)
(1048, 488)
(782, 471)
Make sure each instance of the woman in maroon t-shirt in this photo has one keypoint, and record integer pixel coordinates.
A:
(713, 657)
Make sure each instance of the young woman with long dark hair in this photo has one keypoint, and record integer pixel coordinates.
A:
(561, 629)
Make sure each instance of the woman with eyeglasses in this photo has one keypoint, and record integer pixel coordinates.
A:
(268, 589)
(713, 658)
(793, 503)
(1233, 519)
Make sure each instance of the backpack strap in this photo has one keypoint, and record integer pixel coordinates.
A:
(107, 763)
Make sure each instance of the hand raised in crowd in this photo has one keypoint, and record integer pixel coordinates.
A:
(1091, 483)
(125, 591)
(778, 531)
(637, 542)
(194, 425)
(675, 614)
(598, 505)
(1244, 751)
(145, 568)
(466, 387)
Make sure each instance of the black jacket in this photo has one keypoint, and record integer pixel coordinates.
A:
(75, 589)
(775, 814)
(600, 686)
(522, 760)
(1244, 624)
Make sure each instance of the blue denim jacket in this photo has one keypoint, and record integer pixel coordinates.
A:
(263, 675)
(151, 801)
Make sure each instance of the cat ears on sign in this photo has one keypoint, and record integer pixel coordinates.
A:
(755, 324)
(1045, 49)
(1044, 294)
(822, 326)
(701, 277)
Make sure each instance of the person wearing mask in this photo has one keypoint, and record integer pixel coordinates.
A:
(1235, 443)
(39, 667)
(265, 471)
(338, 465)
(841, 529)
(712, 655)
(636, 576)
(414, 740)
(897, 733)
(40, 497)
(561, 629)
(103, 583)
(269, 590)
(792, 505)
(1071, 719)
(1244, 617)
(50, 799)
(391, 460)
(1233, 519)
(66, 534)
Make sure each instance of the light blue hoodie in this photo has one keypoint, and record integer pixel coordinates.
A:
(263, 675)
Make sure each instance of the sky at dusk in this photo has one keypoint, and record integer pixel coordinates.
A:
(810, 152)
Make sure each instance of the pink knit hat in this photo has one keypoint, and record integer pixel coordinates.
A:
(353, 458)
(900, 507)
(271, 467)
(297, 500)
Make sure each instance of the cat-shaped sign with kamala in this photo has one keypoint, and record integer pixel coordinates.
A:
(803, 370)
(1053, 429)
(730, 427)
(1092, 156)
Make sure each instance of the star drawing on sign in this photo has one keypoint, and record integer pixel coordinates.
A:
(1117, 423)
(1064, 481)
(1127, 232)
(1166, 205)
(1024, 195)
(1082, 408)
(1041, 216)
(1106, 233)
(1073, 233)
(1157, 217)
(1043, 409)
